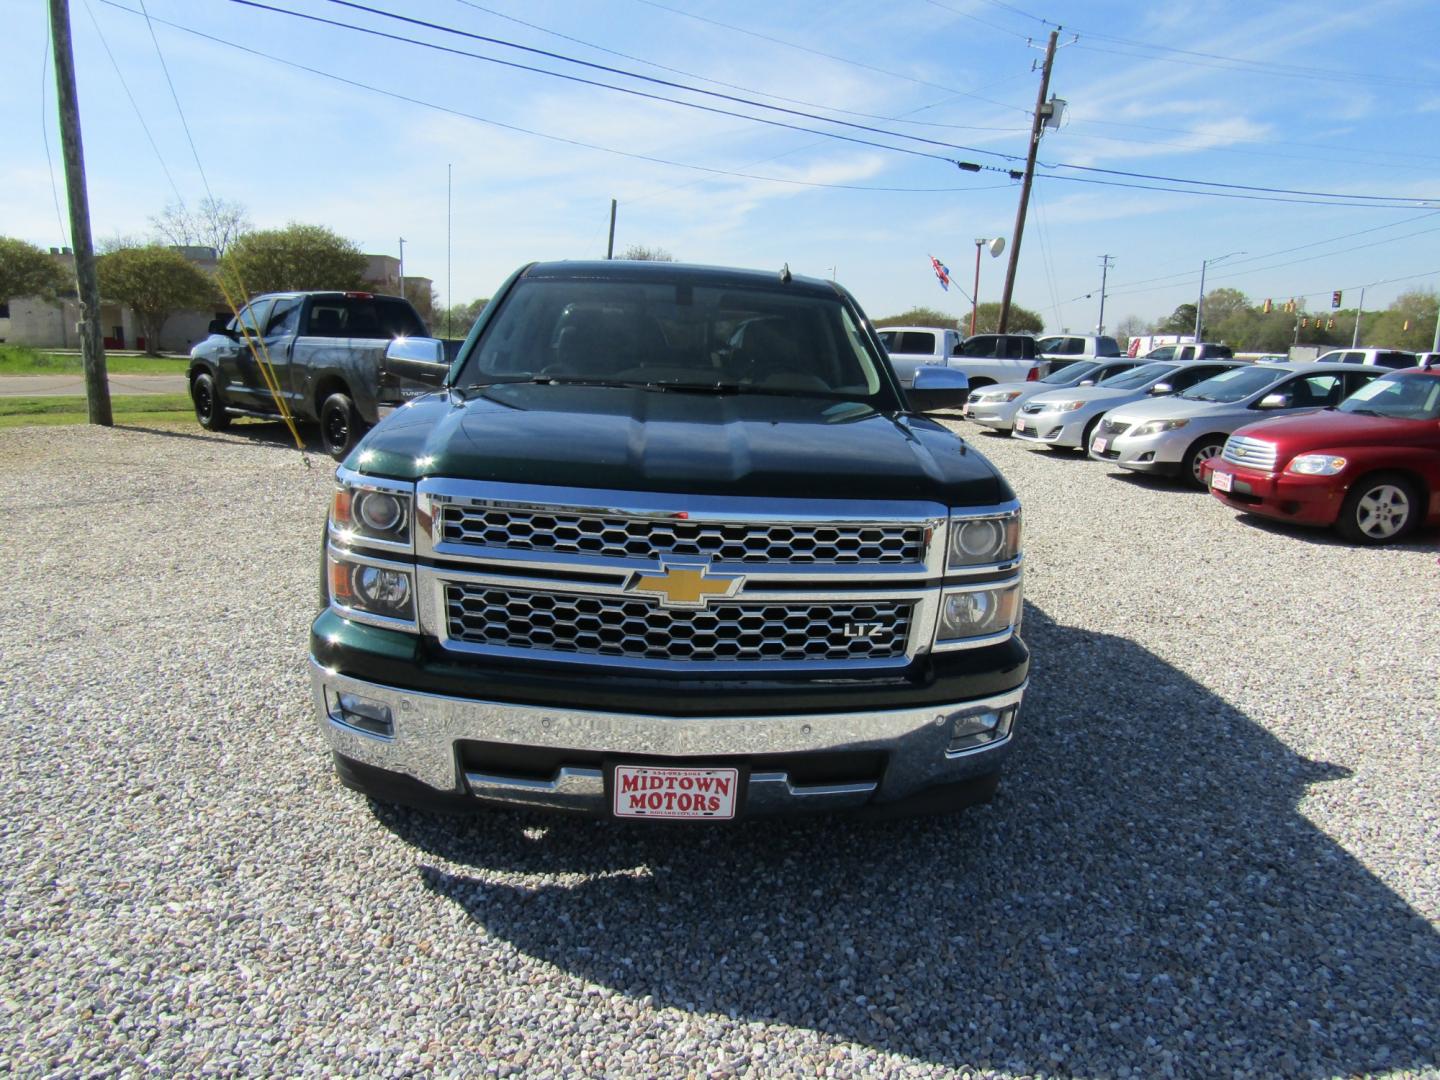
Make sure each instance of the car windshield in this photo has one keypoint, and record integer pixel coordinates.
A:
(1069, 376)
(1234, 385)
(677, 335)
(1404, 396)
(1135, 378)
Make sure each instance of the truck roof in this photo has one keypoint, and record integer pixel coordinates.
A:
(671, 273)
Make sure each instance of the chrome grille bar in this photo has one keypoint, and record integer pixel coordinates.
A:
(1251, 453)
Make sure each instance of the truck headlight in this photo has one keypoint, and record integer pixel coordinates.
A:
(371, 511)
(371, 591)
(1155, 427)
(971, 615)
(1316, 465)
(983, 540)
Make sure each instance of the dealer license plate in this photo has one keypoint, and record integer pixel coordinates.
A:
(1221, 481)
(675, 792)
(965, 409)
(1019, 424)
(1098, 445)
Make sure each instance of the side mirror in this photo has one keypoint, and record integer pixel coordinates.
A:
(1274, 401)
(1162, 388)
(938, 388)
(418, 350)
(222, 327)
(1087, 382)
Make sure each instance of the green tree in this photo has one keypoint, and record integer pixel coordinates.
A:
(921, 316)
(155, 282)
(424, 298)
(1180, 321)
(456, 321)
(295, 257)
(26, 270)
(1408, 323)
(1022, 320)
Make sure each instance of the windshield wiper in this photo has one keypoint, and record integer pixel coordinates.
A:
(1367, 412)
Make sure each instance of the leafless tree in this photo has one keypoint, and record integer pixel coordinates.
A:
(213, 223)
(647, 254)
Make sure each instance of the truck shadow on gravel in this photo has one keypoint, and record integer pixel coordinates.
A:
(1144, 893)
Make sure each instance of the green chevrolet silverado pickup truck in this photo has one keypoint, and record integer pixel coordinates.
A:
(671, 543)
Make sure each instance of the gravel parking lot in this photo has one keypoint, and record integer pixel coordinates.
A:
(1216, 851)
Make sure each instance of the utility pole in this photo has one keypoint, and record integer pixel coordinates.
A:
(1104, 275)
(402, 267)
(87, 285)
(610, 247)
(1355, 338)
(1036, 125)
(449, 279)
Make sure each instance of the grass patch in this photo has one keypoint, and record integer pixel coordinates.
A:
(22, 360)
(127, 409)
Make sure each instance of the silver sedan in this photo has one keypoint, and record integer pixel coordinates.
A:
(1067, 418)
(996, 406)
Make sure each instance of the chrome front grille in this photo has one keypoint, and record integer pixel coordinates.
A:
(1250, 453)
(566, 531)
(1112, 428)
(554, 624)
(1032, 408)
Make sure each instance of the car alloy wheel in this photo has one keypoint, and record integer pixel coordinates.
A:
(1199, 456)
(1383, 512)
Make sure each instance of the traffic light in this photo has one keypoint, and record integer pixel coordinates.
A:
(1304, 324)
(1407, 326)
(1331, 324)
(1335, 299)
(1268, 306)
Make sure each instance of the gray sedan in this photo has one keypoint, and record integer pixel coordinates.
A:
(996, 406)
(1067, 418)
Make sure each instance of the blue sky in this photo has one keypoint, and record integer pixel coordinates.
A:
(1315, 97)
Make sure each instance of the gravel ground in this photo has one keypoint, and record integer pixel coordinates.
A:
(1216, 851)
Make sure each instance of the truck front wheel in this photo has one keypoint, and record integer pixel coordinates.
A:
(340, 425)
(208, 410)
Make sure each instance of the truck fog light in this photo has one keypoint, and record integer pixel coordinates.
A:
(363, 713)
(383, 591)
(974, 729)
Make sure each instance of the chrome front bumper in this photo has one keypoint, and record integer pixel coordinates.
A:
(428, 726)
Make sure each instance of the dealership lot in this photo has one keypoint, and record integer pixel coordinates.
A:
(1216, 849)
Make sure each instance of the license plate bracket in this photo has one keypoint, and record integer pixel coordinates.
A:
(1099, 444)
(1221, 481)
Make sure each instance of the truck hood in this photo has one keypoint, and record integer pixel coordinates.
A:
(622, 439)
(1331, 428)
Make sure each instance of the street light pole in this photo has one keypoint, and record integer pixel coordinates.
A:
(1104, 276)
(1200, 302)
(1355, 338)
(402, 267)
(975, 292)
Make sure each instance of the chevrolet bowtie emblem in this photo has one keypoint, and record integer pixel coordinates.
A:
(686, 586)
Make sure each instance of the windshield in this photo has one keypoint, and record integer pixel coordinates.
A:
(1234, 385)
(1408, 396)
(1069, 376)
(1137, 377)
(676, 336)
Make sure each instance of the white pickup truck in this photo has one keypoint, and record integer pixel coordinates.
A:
(983, 358)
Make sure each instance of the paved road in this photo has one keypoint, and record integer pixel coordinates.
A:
(64, 385)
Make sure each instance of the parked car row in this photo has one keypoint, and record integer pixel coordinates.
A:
(1350, 443)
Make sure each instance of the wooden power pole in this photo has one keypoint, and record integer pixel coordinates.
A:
(1036, 126)
(92, 346)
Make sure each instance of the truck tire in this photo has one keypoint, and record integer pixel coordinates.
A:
(340, 425)
(209, 410)
(1380, 509)
(1203, 449)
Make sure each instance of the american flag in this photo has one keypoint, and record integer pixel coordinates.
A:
(942, 272)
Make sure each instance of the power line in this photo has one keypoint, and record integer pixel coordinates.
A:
(133, 103)
(1235, 194)
(1379, 199)
(45, 134)
(1232, 63)
(728, 85)
(176, 98)
(541, 134)
(830, 56)
(1407, 153)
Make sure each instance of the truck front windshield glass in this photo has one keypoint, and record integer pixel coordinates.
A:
(1402, 396)
(1135, 378)
(676, 335)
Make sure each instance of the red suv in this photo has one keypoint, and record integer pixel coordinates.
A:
(1370, 466)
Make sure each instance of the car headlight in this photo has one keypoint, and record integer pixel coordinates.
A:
(1155, 427)
(978, 614)
(371, 512)
(1004, 396)
(1068, 406)
(370, 590)
(1316, 465)
(983, 540)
